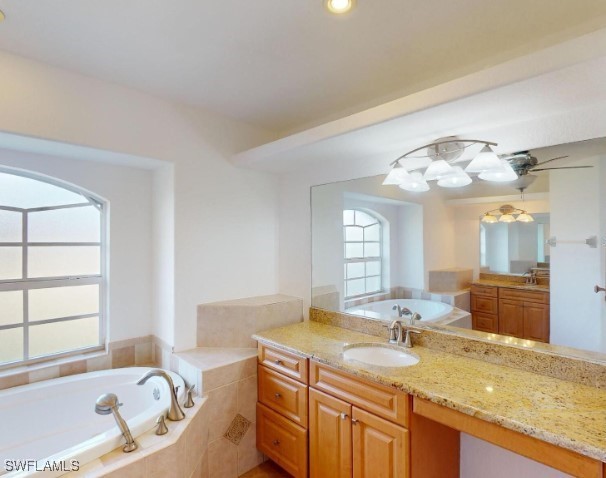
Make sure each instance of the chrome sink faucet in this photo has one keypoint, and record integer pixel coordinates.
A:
(174, 412)
(399, 333)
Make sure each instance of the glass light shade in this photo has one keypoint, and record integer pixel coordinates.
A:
(396, 176)
(415, 183)
(457, 179)
(437, 170)
(502, 175)
(489, 219)
(486, 160)
(525, 217)
(507, 218)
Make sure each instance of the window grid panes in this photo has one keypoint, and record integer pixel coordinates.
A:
(362, 235)
(51, 270)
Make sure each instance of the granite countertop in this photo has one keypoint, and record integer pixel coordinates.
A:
(566, 414)
(512, 285)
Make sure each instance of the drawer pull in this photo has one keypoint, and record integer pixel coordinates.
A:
(354, 421)
(277, 395)
(344, 416)
(278, 362)
(276, 443)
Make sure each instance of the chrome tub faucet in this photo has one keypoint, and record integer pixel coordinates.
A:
(174, 412)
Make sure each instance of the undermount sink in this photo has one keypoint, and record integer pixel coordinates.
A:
(383, 355)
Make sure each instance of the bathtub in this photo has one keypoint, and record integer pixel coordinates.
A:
(431, 311)
(55, 422)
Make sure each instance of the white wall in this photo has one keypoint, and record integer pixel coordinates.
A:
(129, 192)
(225, 219)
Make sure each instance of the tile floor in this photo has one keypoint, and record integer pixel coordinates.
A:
(267, 469)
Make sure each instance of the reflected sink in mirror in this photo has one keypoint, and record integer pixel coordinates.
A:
(382, 355)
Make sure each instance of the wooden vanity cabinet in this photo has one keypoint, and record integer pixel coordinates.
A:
(282, 409)
(485, 308)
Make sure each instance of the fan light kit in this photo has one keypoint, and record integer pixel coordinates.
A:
(412, 172)
(506, 215)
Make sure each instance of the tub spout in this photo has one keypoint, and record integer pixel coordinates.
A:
(108, 403)
(174, 412)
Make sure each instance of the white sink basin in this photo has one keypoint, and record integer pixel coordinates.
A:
(380, 354)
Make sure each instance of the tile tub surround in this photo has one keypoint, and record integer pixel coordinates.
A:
(231, 323)
(449, 280)
(181, 453)
(566, 414)
(228, 377)
(573, 365)
(139, 351)
(459, 299)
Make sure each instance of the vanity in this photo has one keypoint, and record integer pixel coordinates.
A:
(318, 411)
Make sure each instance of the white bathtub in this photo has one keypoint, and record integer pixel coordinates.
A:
(55, 420)
(431, 311)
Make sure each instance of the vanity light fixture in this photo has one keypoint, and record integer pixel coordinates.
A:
(441, 163)
(506, 215)
(339, 6)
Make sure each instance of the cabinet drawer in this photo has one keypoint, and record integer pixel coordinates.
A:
(284, 395)
(282, 441)
(527, 295)
(289, 364)
(487, 305)
(485, 290)
(383, 401)
(485, 322)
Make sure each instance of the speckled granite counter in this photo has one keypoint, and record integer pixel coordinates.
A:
(566, 414)
(512, 285)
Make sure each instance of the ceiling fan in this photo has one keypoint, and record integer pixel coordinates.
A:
(524, 163)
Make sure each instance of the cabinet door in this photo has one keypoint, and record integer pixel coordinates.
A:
(536, 322)
(329, 436)
(381, 449)
(511, 318)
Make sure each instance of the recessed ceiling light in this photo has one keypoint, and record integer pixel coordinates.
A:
(339, 6)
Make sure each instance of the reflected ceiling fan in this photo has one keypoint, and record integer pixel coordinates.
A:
(524, 163)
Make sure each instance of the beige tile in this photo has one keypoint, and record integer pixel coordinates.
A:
(164, 463)
(217, 377)
(201, 470)
(247, 398)
(44, 373)
(196, 439)
(123, 357)
(222, 459)
(221, 408)
(102, 362)
(134, 470)
(143, 354)
(248, 455)
(72, 368)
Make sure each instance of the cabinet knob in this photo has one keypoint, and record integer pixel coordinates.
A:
(354, 421)
(344, 416)
(277, 395)
(278, 362)
(276, 443)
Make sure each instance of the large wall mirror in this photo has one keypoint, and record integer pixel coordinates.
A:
(374, 246)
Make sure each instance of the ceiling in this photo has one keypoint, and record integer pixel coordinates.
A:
(286, 64)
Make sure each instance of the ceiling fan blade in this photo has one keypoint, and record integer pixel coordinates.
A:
(552, 159)
(562, 167)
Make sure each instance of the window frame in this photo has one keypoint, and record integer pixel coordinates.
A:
(364, 260)
(25, 284)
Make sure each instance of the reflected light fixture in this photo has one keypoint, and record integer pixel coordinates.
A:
(442, 161)
(506, 215)
(339, 6)
(2, 16)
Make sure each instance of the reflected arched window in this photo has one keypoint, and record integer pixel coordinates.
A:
(362, 233)
(52, 256)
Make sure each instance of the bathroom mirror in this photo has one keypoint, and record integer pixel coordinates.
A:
(373, 243)
(515, 247)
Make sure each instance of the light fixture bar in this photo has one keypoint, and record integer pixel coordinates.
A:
(438, 143)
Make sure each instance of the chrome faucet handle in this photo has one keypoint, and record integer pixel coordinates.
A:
(161, 429)
(414, 317)
(407, 339)
(189, 401)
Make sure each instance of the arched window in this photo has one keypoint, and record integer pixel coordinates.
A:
(362, 233)
(52, 257)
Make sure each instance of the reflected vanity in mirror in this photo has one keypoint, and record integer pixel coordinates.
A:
(525, 276)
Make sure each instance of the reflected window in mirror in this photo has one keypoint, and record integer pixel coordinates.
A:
(363, 232)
